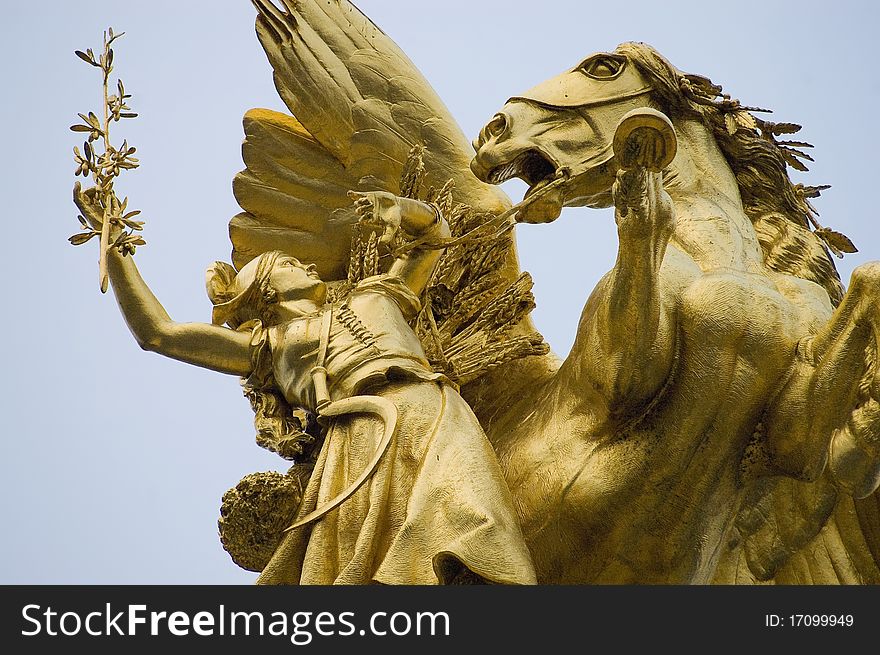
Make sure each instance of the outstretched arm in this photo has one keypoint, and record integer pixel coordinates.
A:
(200, 344)
(421, 220)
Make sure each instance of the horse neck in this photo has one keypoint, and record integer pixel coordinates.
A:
(711, 224)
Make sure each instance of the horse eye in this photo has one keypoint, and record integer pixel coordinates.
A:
(602, 67)
(497, 125)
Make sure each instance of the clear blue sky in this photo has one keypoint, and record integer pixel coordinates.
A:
(113, 461)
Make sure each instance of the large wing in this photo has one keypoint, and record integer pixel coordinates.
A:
(792, 532)
(359, 106)
(293, 193)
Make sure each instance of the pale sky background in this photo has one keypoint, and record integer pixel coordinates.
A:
(113, 460)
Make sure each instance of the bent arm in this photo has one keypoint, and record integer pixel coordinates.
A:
(209, 346)
(428, 225)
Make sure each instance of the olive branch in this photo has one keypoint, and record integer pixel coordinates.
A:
(104, 167)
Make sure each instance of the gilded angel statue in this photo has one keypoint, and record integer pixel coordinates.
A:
(718, 417)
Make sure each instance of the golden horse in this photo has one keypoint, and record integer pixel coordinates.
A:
(718, 413)
(710, 362)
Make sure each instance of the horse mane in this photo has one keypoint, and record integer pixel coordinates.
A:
(778, 208)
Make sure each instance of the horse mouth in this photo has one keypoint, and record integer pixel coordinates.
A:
(530, 166)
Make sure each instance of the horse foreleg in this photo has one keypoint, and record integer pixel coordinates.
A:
(829, 402)
(616, 351)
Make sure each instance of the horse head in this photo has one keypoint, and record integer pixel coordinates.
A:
(562, 132)
(563, 127)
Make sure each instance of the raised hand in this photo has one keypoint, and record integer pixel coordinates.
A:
(87, 203)
(378, 208)
(92, 218)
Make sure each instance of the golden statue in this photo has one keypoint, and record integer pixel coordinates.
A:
(370, 510)
(716, 420)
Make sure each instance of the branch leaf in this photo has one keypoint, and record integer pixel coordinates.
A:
(837, 241)
(812, 191)
(745, 120)
(795, 144)
(795, 152)
(791, 158)
(88, 58)
(82, 237)
(782, 128)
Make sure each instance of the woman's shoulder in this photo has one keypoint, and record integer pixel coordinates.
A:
(394, 288)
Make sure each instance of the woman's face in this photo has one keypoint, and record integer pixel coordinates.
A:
(293, 280)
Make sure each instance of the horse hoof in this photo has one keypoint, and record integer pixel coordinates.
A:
(645, 137)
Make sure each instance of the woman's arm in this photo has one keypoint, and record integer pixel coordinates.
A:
(421, 220)
(200, 344)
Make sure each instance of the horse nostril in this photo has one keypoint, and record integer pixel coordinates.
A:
(479, 171)
(492, 130)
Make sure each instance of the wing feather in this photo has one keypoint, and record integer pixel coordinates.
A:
(359, 106)
(293, 193)
(347, 82)
(312, 82)
(792, 532)
(261, 238)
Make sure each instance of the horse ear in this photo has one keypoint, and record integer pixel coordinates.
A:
(218, 282)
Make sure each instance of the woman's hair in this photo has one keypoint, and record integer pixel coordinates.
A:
(244, 300)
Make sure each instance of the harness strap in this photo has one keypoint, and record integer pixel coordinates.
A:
(319, 373)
